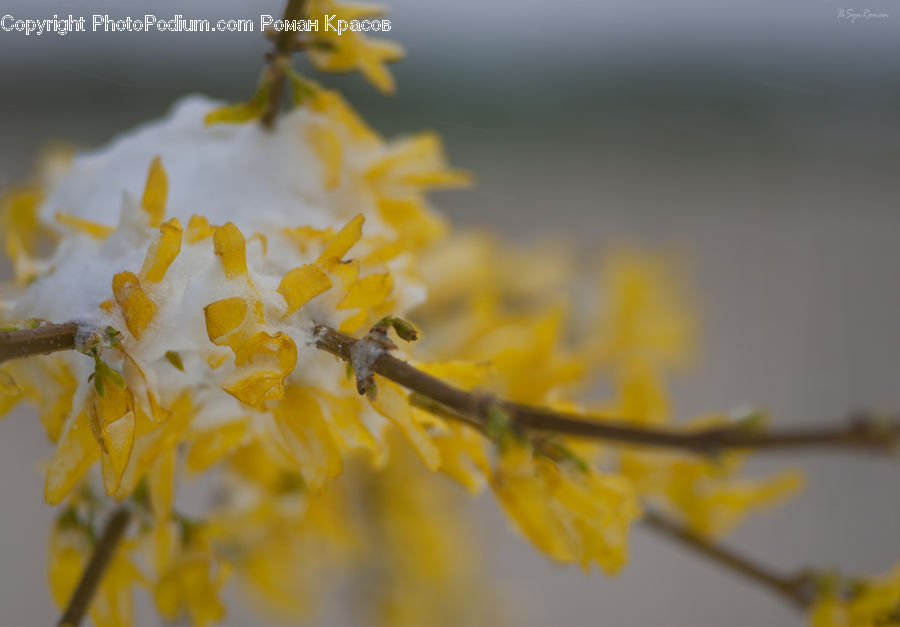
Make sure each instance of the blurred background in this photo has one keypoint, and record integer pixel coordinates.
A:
(762, 140)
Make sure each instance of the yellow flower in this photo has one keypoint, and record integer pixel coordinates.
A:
(706, 493)
(197, 348)
(349, 50)
(191, 584)
(23, 230)
(71, 543)
(572, 515)
(869, 602)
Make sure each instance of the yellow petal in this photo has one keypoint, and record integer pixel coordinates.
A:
(466, 374)
(325, 142)
(8, 385)
(263, 241)
(76, 451)
(393, 404)
(301, 285)
(411, 217)
(118, 440)
(136, 306)
(56, 402)
(198, 228)
(114, 404)
(211, 446)
(162, 252)
(67, 552)
(161, 482)
(224, 316)
(464, 457)
(113, 604)
(369, 291)
(277, 350)
(155, 192)
(330, 102)
(343, 241)
(22, 230)
(523, 493)
(256, 387)
(299, 419)
(141, 383)
(345, 422)
(347, 272)
(416, 162)
(355, 322)
(231, 248)
(94, 229)
(303, 236)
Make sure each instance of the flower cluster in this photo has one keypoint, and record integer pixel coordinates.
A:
(197, 255)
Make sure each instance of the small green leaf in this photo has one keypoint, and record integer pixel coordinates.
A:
(404, 330)
(499, 425)
(141, 494)
(114, 377)
(301, 88)
(242, 111)
(69, 518)
(291, 482)
(371, 390)
(102, 371)
(175, 359)
(113, 337)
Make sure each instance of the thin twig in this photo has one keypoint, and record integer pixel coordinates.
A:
(859, 433)
(796, 589)
(285, 45)
(93, 573)
(47, 338)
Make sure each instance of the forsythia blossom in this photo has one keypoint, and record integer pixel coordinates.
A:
(867, 601)
(198, 253)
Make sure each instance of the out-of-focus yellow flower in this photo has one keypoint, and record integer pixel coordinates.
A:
(23, 230)
(71, 543)
(572, 515)
(705, 493)
(645, 312)
(351, 50)
(197, 349)
(869, 602)
(191, 584)
(425, 574)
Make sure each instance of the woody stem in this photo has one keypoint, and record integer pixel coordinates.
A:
(794, 589)
(281, 53)
(861, 433)
(47, 338)
(93, 573)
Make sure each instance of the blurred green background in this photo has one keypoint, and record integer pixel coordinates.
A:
(762, 141)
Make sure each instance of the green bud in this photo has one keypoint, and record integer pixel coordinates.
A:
(175, 359)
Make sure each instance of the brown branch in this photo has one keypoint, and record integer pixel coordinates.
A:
(796, 589)
(41, 340)
(861, 433)
(93, 573)
(285, 45)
